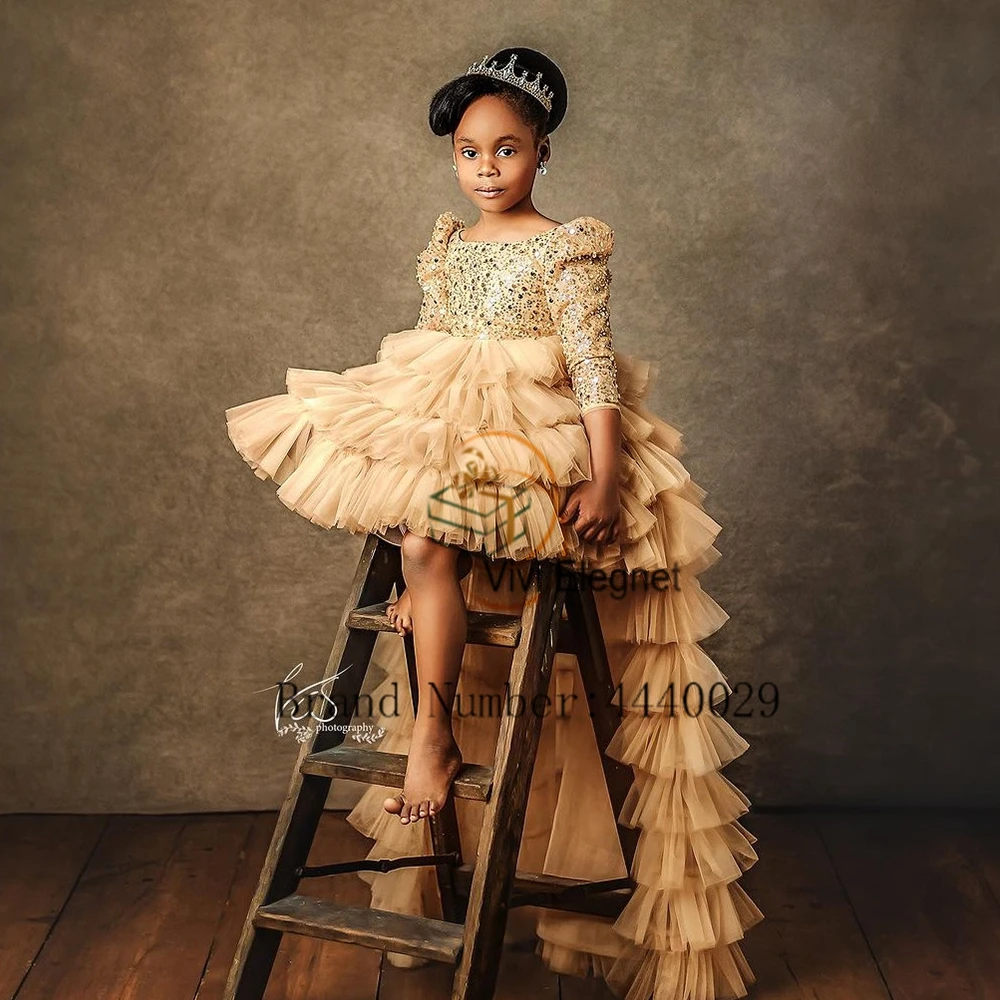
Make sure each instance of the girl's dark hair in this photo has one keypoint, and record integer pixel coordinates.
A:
(450, 101)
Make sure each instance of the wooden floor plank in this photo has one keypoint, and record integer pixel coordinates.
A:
(151, 905)
(983, 844)
(140, 922)
(41, 859)
(929, 915)
(809, 945)
(248, 864)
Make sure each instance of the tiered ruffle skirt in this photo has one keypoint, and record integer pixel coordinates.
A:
(477, 443)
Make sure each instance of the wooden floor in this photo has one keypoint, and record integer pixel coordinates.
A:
(859, 906)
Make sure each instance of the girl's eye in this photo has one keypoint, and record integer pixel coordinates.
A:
(509, 149)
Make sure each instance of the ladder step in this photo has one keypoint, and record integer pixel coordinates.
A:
(425, 937)
(485, 628)
(473, 781)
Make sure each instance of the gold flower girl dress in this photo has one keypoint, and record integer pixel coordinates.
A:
(512, 346)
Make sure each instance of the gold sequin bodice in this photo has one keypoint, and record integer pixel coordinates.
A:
(555, 283)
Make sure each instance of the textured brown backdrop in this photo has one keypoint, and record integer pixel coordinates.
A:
(197, 196)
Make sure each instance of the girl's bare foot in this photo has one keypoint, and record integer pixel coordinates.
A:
(399, 614)
(433, 762)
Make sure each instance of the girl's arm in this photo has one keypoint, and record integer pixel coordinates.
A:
(604, 426)
(431, 276)
(580, 299)
(594, 505)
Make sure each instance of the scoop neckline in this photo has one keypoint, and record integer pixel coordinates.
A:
(505, 243)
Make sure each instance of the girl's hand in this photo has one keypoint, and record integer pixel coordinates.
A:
(594, 509)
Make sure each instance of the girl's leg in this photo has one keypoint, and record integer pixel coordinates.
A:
(400, 611)
(440, 624)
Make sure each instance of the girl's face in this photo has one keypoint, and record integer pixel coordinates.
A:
(494, 149)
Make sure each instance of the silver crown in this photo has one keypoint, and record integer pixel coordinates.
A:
(535, 87)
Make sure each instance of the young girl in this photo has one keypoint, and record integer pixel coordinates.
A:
(506, 425)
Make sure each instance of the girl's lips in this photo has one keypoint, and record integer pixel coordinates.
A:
(489, 193)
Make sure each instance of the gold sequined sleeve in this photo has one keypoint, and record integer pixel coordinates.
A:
(580, 300)
(431, 275)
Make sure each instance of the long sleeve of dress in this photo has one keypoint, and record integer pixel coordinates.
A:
(430, 272)
(580, 301)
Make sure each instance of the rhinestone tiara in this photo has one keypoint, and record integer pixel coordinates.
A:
(535, 87)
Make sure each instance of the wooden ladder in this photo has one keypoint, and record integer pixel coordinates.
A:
(475, 898)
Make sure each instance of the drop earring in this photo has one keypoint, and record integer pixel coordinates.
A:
(542, 168)
(454, 166)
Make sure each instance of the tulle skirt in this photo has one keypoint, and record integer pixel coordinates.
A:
(477, 442)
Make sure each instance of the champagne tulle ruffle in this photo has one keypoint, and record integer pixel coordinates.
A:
(384, 445)
(397, 441)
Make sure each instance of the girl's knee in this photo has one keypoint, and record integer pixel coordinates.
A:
(421, 552)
